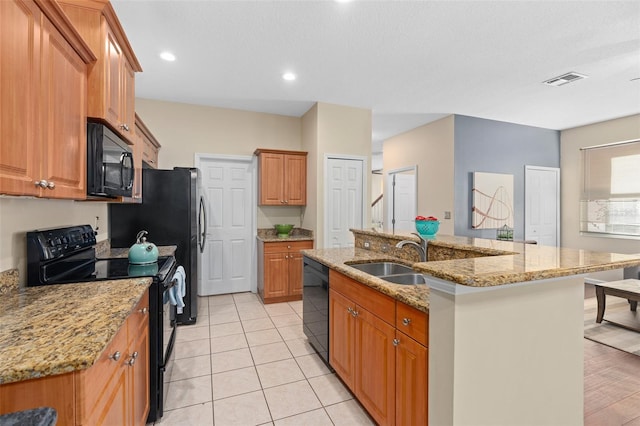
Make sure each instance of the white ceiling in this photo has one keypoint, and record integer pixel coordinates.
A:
(410, 62)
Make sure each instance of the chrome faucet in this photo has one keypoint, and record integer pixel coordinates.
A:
(422, 247)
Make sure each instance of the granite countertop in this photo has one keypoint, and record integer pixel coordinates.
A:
(269, 235)
(124, 252)
(416, 296)
(58, 329)
(510, 262)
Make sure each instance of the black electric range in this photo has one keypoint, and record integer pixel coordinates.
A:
(67, 255)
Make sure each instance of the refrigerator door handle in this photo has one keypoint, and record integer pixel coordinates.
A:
(202, 221)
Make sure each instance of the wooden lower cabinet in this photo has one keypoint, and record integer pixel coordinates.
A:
(361, 344)
(114, 391)
(280, 270)
(411, 381)
(370, 352)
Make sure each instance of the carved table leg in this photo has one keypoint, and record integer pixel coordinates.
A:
(601, 303)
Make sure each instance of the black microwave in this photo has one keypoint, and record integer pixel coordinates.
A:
(109, 163)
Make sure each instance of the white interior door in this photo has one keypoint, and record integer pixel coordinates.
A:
(542, 205)
(402, 201)
(344, 200)
(228, 187)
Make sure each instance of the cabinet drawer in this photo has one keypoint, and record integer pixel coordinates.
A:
(280, 247)
(413, 323)
(372, 300)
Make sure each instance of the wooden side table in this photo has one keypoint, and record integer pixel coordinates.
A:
(628, 289)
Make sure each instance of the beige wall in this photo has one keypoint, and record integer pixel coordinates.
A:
(571, 141)
(310, 144)
(184, 130)
(334, 130)
(21, 214)
(431, 148)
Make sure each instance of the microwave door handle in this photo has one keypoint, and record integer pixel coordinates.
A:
(123, 158)
(131, 170)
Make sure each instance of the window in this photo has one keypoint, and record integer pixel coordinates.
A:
(610, 201)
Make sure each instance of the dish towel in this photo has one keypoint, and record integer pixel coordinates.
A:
(178, 291)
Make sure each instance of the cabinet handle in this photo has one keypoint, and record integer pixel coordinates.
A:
(354, 313)
(41, 183)
(286, 201)
(288, 247)
(51, 185)
(124, 127)
(144, 310)
(133, 358)
(116, 356)
(281, 201)
(406, 321)
(286, 257)
(395, 342)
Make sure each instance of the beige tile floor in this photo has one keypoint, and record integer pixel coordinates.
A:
(245, 363)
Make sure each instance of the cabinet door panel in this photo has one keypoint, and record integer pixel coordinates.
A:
(342, 337)
(19, 118)
(113, 84)
(276, 275)
(64, 137)
(411, 381)
(295, 273)
(271, 179)
(375, 361)
(295, 180)
(139, 394)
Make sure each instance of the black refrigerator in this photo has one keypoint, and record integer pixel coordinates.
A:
(173, 213)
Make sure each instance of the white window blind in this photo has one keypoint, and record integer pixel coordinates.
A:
(610, 202)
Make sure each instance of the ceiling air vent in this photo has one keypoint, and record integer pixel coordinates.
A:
(569, 77)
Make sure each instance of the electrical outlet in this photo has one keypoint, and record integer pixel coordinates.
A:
(367, 245)
(447, 215)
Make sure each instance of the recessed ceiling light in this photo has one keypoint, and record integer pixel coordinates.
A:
(288, 76)
(168, 56)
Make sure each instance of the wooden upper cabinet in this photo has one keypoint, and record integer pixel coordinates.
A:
(43, 103)
(112, 78)
(283, 177)
(150, 145)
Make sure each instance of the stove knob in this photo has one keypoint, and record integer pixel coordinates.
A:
(50, 243)
(65, 240)
(57, 242)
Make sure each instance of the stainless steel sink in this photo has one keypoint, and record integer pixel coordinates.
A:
(407, 279)
(382, 268)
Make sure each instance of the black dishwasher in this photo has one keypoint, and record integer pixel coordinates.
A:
(315, 304)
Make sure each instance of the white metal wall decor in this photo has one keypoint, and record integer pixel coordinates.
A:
(492, 200)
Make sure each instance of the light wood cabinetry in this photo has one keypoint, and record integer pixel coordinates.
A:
(114, 391)
(280, 270)
(43, 101)
(412, 357)
(378, 347)
(282, 177)
(372, 375)
(150, 145)
(112, 78)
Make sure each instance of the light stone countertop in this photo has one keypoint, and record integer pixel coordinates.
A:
(269, 235)
(504, 262)
(56, 329)
(416, 296)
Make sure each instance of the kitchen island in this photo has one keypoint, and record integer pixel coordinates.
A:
(505, 324)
